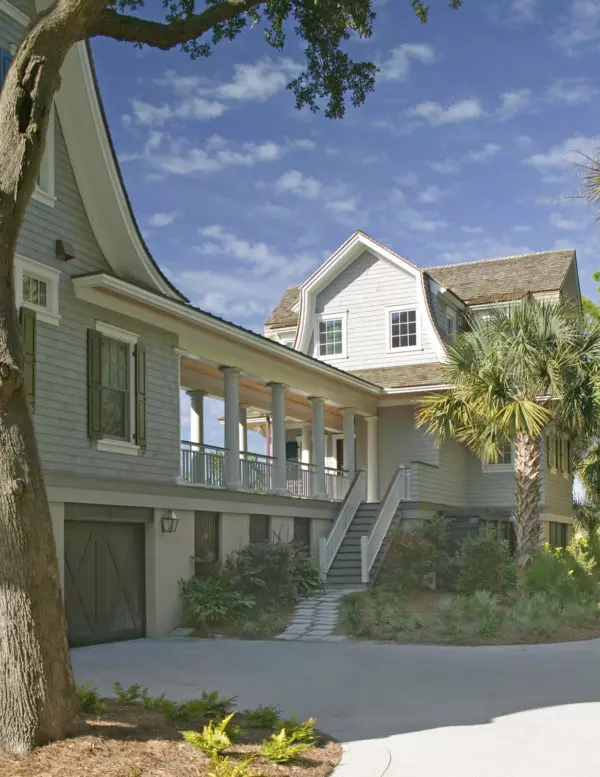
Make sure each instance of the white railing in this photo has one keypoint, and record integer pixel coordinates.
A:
(329, 546)
(337, 483)
(301, 479)
(257, 472)
(203, 464)
(398, 491)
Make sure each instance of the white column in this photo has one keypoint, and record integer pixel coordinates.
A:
(243, 428)
(196, 416)
(349, 447)
(278, 432)
(232, 422)
(306, 443)
(318, 444)
(372, 459)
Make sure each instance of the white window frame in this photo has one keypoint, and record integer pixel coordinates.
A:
(106, 444)
(44, 191)
(451, 316)
(41, 272)
(388, 329)
(492, 466)
(285, 337)
(343, 317)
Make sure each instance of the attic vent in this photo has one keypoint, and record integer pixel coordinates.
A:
(64, 250)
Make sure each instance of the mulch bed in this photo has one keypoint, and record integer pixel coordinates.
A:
(129, 741)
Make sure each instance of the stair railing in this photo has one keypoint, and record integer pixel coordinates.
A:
(329, 546)
(398, 491)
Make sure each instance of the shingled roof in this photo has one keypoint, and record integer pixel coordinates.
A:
(403, 376)
(506, 278)
(283, 315)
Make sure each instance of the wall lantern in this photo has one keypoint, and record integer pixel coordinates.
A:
(169, 522)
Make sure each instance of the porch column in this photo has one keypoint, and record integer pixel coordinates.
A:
(196, 416)
(232, 422)
(306, 443)
(243, 428)
(318, 445)
(372, 459)
(349, 446)
(278, 421)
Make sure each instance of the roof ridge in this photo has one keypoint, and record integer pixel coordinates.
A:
(499, 258)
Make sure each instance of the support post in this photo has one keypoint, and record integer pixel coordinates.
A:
(306, 444)
(243, 428)
(318, 445)
(349, 445)
(278, 421)
(196, 416)
(232, 421)
(372, 459)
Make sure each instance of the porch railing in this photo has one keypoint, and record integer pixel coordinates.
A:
(256, 472)
(329, 546)
(337, 483)
(301, 479)
(398, 491)
(203, 464)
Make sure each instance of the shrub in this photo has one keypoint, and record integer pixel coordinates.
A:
(409, 560)
(581, 612)
(436, 531)
(558, 574)
(225, 767)
(299, 732)
(210, 705)
(213, 739)
(449, 614)
(213, 599)
(282, 749)
(264, 620)
(262, 717)
(89, 700)
(351, 615)
(485, 564)
(537, 614)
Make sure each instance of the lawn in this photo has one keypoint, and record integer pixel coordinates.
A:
(131, 739)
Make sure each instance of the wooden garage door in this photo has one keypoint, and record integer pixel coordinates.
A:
(104, 581)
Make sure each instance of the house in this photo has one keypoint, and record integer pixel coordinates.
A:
(110, 344)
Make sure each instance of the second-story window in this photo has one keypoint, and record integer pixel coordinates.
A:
(115, 389)
(331, 337)
(403, 329)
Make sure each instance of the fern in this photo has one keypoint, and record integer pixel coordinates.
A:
(213, 739)
(89, 700)
(262, 717)
(225, 767)
(281, 749)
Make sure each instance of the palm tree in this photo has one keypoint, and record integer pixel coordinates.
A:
(513, 374)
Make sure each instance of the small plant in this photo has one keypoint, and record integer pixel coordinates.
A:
(352, 615)
(262, 717)
(484, 608)
(89, 700)
(133, 694)
(485, 564)
(559, 574)
(263, 621)
(282, 749)
(583, 612)
(213, 739)
(225, 767)
(213, 599)
(449, 616)
(537, 614)
(299, 732)
(409, 560)
(210, 705)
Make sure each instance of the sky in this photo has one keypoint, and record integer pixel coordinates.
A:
(471, 147)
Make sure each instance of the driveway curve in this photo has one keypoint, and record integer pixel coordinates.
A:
(409, 710)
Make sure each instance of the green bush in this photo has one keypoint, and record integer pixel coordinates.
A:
(281, 748)
(449, 615)
(436, 531)
(409, 560)
(303, 731)
(558, 574)
(484, 608)
(485, 564)
(225, 767)
(262, 717)
(209, 705)
(263, 620)
(537, 614)
(213, 739)
(90, 701)
(581, 612)
(213, 599)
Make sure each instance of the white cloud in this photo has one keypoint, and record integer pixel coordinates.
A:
(295, 182)
(348, 205)
(411, 218)
(483, 154)
(161, 219)
(513, 103)
(561, 156)
(304, 143)
(559, 221)
(524, 9)
(199, 108)
(472, 230)
(580, 26)
(444, 166)
(397, 66)
(571, 91)
(434, 113)
(146, 114)
(177, 82)
(259, 81)
(432, 194)
(521, 228)
(407, 179)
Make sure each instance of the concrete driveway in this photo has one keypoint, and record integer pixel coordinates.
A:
(400, 710)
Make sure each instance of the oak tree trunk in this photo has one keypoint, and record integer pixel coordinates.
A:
(528, 475)
(37, 694)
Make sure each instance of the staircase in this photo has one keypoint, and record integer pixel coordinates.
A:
(345, 572)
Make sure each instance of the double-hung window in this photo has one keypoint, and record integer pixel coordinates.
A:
(331, 335)
(403, 329)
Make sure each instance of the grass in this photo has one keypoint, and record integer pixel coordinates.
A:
(392, 615)
(128, 739)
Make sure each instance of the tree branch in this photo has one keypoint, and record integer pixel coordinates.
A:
(166, 35)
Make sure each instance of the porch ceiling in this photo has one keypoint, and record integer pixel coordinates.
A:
(253, 392)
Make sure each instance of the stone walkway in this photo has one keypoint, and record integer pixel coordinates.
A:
(315, 619)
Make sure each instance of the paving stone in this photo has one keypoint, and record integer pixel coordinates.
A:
(334, 638)
(287, 637)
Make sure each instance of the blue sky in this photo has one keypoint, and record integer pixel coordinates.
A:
(468, 149)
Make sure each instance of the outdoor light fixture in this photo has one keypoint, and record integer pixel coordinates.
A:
(169, 522)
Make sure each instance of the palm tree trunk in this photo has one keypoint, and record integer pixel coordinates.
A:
(528, 475)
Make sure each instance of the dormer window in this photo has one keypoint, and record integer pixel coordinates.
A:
(331, 335)
(450, 325)
(403, 328)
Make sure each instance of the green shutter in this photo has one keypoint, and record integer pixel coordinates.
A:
(94, 384)
(29, 325)
(140, 395)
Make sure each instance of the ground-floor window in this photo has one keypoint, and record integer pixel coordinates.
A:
(206, 541)
(558, 534)
(260, 528)
(302, 532)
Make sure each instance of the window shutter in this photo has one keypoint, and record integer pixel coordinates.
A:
(29, 325)
(94, 384)
(5, 60)
(140, 395)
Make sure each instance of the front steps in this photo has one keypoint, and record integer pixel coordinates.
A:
(345, 572)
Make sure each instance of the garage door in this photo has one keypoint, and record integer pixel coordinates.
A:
(104, 581)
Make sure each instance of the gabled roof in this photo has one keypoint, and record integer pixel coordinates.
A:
(283, 315)
(505, 278)
(403, 376)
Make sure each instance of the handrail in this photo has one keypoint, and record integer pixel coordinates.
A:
(370, 545)
(329, 546)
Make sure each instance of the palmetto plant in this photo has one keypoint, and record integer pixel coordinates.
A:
(513, 374)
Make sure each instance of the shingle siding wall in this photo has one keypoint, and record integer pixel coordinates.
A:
(400, 443)
(365, 289)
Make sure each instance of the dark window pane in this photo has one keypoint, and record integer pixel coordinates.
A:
(260, 528)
